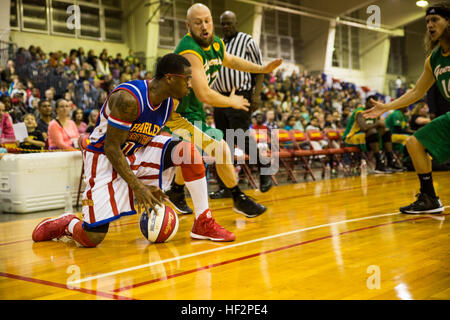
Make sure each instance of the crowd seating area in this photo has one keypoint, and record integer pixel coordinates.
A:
(306, 105)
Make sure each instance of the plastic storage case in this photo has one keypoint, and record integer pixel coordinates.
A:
(38, 181)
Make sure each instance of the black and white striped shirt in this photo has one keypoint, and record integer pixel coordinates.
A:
(243, 46)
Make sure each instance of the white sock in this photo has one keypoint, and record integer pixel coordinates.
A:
(72, 225)
(199, 194)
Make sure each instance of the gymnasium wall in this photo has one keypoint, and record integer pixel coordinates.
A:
(4, 20)
(415, 52)
(50, 43)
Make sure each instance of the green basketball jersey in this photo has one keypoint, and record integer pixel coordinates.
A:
(396, 119)
(352, 126)
(190, 107)
(440, 66)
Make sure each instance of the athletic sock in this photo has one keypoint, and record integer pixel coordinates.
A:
(426, 184)
(72, 225)
(198, 190)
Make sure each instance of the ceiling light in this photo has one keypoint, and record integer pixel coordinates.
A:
(422, 3)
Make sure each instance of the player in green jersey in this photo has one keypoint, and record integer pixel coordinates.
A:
(206, 53)
(433, 137)
(366, 134)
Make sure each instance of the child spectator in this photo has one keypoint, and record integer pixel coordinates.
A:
(290, 123)
(210, 120)
(35, 140)
(92, 120)
(6, 123)
(77, 117)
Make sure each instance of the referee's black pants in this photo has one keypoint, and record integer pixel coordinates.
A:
(229, 118)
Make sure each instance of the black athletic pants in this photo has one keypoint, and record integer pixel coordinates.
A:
(229, 118)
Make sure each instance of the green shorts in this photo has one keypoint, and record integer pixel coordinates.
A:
(435, 138)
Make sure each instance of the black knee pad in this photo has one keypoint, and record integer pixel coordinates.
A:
(386, 137)
(100, 229)
(371, 138)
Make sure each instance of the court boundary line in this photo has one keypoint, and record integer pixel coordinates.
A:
(178, 258)
(253, 255)
(113, 296)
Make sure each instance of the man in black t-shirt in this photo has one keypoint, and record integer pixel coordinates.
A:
(45, 116)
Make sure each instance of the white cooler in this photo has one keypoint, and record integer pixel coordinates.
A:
(37, 181)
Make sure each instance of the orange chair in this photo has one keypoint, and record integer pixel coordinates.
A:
(299, 139)
(263, 136)
(285, 155)
(337, 148)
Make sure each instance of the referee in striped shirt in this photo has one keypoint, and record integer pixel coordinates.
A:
(248, 85)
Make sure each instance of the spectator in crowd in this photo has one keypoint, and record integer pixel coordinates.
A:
(270, 123)
(330, 122)
(298, 119)
(419, 116)
(86, 98)
(314, 125)
(6, 123)
(8, 71)
(92, 59)
(77, 117)
(290, 123)
(92, 120)
(18, 107)
(337, 119)
(346, 113)
(130, 57)
(44, 118)
(19, 92)
(102, 67)
(62, 132)
(81, 57)
(50, 97)
(118, 60)
(35, 140)
(210, 120)
(4, 89)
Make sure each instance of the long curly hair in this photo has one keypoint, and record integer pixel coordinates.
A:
(429, 44)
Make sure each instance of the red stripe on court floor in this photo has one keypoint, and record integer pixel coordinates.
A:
(259, 254)
(63, 286)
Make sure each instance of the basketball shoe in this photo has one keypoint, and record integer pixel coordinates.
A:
(206, 228)
(52, 228)
(424, 204)
(245, 205)
(178, 200)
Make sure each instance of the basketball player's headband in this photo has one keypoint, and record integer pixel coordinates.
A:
(439, 11)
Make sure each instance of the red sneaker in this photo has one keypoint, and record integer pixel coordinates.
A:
(206, 228)
(49, 229)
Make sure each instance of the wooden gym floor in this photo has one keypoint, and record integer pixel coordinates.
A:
(332, 239)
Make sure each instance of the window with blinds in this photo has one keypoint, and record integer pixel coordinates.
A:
(346, 48)
(280, 35)
(99, 19)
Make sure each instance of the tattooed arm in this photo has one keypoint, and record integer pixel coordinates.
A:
(123, 106)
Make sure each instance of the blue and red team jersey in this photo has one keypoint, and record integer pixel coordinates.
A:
(141, 132)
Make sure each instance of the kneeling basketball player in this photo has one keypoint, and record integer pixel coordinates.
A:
(127, 163)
